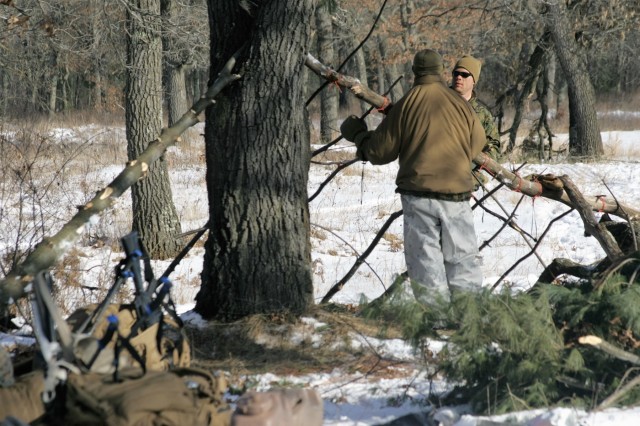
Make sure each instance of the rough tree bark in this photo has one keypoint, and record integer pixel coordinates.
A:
(584, 133)
(176, 61)
(258, 255)
(154, 214)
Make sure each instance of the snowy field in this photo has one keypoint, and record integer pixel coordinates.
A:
(345, 218)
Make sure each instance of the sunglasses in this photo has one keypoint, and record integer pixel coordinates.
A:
(461, 74)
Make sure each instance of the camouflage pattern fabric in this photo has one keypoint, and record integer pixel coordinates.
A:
(492, 149)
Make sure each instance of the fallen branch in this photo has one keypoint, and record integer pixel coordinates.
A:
(618, 394)
(50, 249)
(333, 76)
(560, 266)
(591, 225)
(609, 349)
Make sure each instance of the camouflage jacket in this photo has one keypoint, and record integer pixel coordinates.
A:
(492, 148)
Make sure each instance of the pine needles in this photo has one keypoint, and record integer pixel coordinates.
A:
(520, 351)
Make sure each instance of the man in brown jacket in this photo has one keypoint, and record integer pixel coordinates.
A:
(434, 134)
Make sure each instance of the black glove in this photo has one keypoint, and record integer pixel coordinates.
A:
(351, 127)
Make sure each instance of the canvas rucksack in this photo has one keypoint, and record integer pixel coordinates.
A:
(22, 399)
(160, 346)
(182, 396)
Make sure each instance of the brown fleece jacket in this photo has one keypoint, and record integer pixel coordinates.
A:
(434, 134)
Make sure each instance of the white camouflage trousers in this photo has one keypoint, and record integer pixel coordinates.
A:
(440, 248)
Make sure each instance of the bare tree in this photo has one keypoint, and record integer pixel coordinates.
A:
(154, 214)
(328, 96)
(584, 132)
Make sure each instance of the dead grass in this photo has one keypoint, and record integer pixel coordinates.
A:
(289, 346)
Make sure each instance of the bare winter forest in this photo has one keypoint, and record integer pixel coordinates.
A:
(106, 108)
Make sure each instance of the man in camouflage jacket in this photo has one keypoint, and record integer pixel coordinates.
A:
(466, 74)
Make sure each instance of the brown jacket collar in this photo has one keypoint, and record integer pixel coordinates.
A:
(429, 78)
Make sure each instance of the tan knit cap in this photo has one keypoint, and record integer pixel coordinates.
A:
(470, 64)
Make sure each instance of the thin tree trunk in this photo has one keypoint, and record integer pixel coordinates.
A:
(584, 134)
(154, 214)
(391, 71)
(52, 88)
(97, 65)
(328, 96)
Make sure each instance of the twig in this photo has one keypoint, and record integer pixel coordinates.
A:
(534, 248)
(331, 176)
(512, 224)
(351, 247)
(619, 394)
(338, 286)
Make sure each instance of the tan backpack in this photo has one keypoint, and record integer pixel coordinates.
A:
(183, 396)
(22, 399)
(161, 346)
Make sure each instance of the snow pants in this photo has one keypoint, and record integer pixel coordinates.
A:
(440, 248)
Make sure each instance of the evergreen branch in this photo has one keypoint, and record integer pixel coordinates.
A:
(615, 267)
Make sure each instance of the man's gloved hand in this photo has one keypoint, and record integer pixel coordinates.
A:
(351, 127)
(479, 178)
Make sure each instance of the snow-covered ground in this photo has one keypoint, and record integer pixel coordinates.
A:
(346, 216)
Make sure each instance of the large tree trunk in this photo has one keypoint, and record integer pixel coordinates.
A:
(329, 95)
(584, 133)
(257, 256)
(154, 214)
